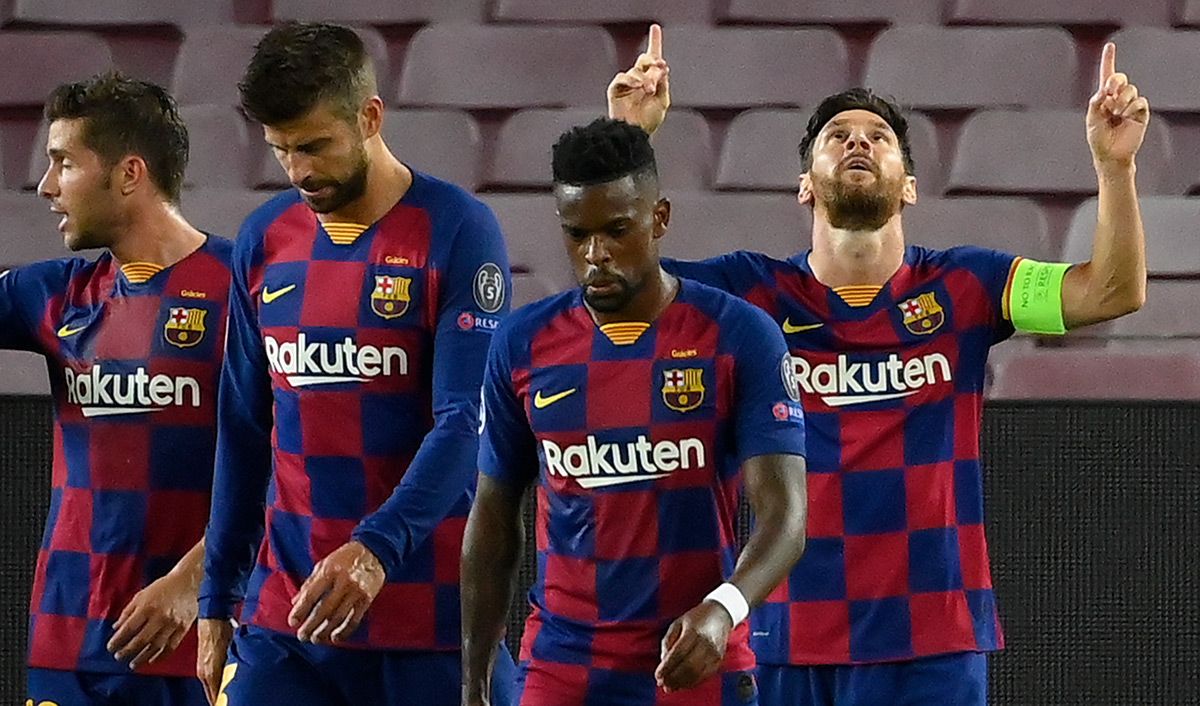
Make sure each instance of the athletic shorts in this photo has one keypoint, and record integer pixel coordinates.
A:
(54, 687)
(956, 679)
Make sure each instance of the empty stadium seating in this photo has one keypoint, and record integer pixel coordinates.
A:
(1017, 226)
(1083, 373)
(23, 374)
(834, 12)
(1172, 243)
(220, 211)
(1162, 63)
(28, 229)
(1189, 13)
(611, 11)
(938, 68)
(48, 59)
(123, 13)
(380, 12)
(1061, 12)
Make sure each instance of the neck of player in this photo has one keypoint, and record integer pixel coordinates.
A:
(157, 234)
(388, 180)
(647, 303)
(842, 257)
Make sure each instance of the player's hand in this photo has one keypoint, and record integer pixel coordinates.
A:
(642, 94)
(334, 599)
(694, 647)
(214, 638)
(1117, 116)
(155, 621)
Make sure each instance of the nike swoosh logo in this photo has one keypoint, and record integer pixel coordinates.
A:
(543, 402)
(66, 331)
(788, 327)
(269, 296)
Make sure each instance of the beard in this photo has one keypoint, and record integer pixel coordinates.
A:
(345, 191)
(851, 206)
(614, 301)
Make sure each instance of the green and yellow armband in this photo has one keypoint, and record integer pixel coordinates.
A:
(1033, 297)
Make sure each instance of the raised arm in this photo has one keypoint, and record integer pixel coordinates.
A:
(642, 94)
(1113, 282)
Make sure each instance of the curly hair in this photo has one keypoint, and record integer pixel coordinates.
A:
(601, 151)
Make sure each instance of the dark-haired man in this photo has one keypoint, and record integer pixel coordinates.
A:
(893, 602)
(132, 342)
(638, 404)
(362, 305)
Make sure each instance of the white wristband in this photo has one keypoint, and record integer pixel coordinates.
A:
(731, 599)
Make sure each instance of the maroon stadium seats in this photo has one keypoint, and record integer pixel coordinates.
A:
(834, 12)
(444, 143)
(220, 143)
(530, 288)
(1042, 152)
(938, 68)
(1017, 226)
(1169, 313)
(706, 225)
(1172, 234)
(212, 59)
(521, 157)
(475, 66)
(28, 229)
(534, 238)
(760, 151)
(743, 68)
(36, 62)
(611, 11)
(380, 12)
(220, 211)
(1084, 373)
(23, 374)
(1163, 65)
(1061, 12)
(123, 12)
(1189, 13)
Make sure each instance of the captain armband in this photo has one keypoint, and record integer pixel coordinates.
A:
(1033, 298)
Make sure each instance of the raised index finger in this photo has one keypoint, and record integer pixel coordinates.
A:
(1108, 63)
(654, 44)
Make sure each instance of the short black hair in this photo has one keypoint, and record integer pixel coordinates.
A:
(123, 116)
(604, 150)
(299, 64)
(856, 99)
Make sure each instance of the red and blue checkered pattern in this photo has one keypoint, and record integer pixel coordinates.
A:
(381, 451)
(132, 460)
(896, 565)
(622, 553)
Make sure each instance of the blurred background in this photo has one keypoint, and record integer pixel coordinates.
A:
(1092, 440)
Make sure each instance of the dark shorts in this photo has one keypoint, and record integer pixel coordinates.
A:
(53, 687)
(956, 679)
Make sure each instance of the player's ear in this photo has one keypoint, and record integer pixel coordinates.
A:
(662, 217)
(805, 195)
(129, 173)
(909, 193)
(370, 117)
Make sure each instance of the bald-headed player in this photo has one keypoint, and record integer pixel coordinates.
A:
(133, 344)
(893, 600)
(638, 404)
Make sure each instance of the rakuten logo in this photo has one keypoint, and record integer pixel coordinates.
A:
(102, 394)
(305, 363)
(596, 464)
(848, 383)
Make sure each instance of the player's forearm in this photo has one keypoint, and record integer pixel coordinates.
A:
(191, 567)
(491, 551)
(1114, 281)
(775, 486)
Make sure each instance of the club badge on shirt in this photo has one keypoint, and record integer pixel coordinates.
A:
(185, 326)
(391, 296)
(922, 314)
(683, 388)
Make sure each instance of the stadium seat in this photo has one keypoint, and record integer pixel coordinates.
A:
(1060, 12)
(1017, 226)
(833, 12)
(1163, 65)
(706, 225)
(23, 374)
(1169, 313)
(110, 13)
(220, 143)
(380, 12)
(521, 156)
(443, 143)
(220, 211)
(37, 62)
(28, 230)
(213, 58)
(476, 66)
(938, 68)
(746, 68)
(1189, 14)
(1172, 242)
(760, 151)
(1042, 152)
(612, 11)
(529, 288)
(1097, 374)
(534, 238)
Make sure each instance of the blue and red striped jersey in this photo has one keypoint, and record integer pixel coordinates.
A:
(896, 565)
(133, 370)
(350, 407)
(635, 439)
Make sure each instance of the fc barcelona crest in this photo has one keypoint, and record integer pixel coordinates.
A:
(683, 389)
(391, 297)
(185, 326)
(922, 314)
